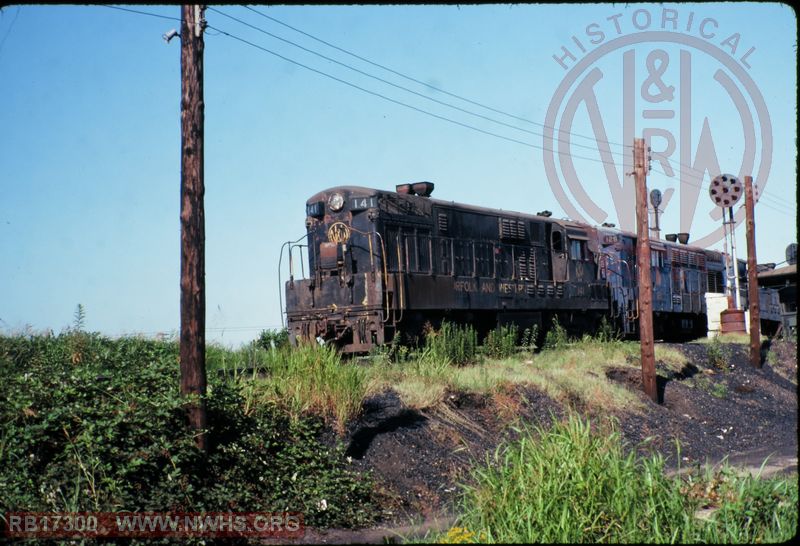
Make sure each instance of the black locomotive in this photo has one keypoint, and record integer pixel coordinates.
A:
(383, 262)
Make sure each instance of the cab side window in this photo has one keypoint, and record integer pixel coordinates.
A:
(577, 249)
(558, 241)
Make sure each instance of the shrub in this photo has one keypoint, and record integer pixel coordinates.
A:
(273, 339)
(94, 424)
(606, 332)
(718, 354)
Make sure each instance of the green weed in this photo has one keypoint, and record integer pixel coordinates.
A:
(529, 337)
(718, 354)
(556, 337)
(501, 342)
(453, 342)
(571, 485)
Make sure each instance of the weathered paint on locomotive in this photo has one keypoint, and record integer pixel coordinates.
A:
(680, 281)
(382, 261)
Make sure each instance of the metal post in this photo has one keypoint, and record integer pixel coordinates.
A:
(737, 295)
(727, 258)
(193, 298)
(657, 229)
(752, 274)
(645, 281)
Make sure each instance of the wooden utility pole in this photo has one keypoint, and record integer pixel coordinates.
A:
(193, 296)
(643, 267)
(752, 274)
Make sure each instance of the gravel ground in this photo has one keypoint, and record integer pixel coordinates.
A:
(716, 412)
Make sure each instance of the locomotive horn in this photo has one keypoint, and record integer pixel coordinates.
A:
(683, 238)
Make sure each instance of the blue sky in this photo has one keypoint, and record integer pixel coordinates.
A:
(90, 129)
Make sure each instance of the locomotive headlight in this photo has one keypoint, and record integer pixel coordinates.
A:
(336, 202)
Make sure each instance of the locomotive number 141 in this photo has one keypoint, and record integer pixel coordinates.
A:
(361, 203)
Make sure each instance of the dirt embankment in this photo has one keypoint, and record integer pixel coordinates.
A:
(419, 458)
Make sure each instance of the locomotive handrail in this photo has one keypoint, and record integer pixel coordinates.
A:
(302, 265)
(385, 274)
(291, 261)
(606, 257)
(280, 284)
(634, 315)
(372, 262)
(400, 282)
(610, 303)
(369, 242)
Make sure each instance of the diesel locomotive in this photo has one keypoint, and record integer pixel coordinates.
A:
(382, 263)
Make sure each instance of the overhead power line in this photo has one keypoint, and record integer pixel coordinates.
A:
(685, 168)
(141, 12)
(764, 198)
(387, 82)
(510, 139)
(415, 80)
(702, 184)
(401, 103)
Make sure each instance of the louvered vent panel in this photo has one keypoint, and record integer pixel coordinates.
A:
(442, 223)
(527, 266)
(512, 229)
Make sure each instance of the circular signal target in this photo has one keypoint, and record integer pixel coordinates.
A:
(725, 190)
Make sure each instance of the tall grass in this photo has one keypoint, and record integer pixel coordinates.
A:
(306, 379)
(459, 344)
(570, 485)
(575, 372)
(421, 381)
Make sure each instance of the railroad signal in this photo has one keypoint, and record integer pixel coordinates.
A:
(725, 190)
(655, 200)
